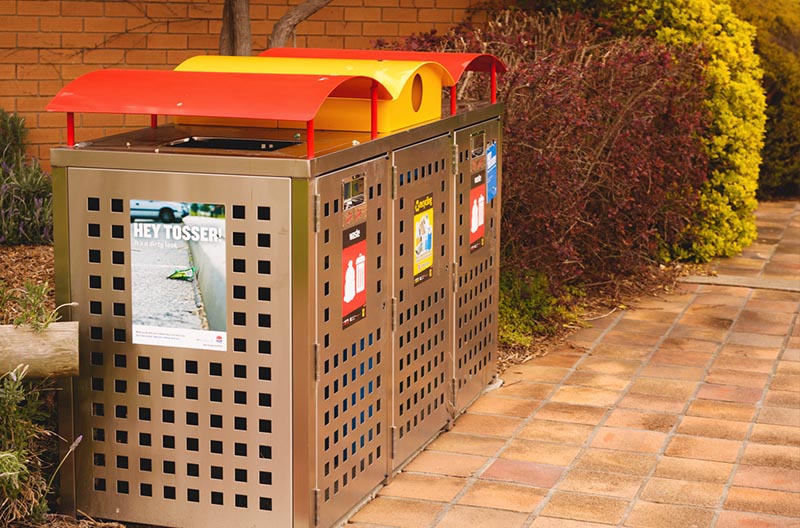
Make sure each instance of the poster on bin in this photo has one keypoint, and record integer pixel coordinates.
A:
(477, 206)
(178, 277)
(423, 239)
(354, 274)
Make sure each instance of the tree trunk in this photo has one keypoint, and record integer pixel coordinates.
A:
(284, 28)
(235, 37)
(52, 353)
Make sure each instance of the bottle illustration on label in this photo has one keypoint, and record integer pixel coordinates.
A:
(475, 223)
(349, 282)
(424, 236)
(481, 203)
(361, 267)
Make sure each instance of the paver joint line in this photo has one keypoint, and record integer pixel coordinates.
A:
(745, 282)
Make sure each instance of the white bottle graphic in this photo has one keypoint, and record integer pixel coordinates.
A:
(361, 269)
(349, 282)
(474, 216)
(481, 204)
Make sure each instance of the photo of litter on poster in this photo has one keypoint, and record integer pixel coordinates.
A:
(354, 274)
(477, 200)
(178, 285)
(423, 239)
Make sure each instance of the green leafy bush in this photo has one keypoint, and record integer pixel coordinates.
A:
(21, 446)
(28, 451)
(527, 308)
(13, 137)
(778, 45)
(28, 306)
(26, 191)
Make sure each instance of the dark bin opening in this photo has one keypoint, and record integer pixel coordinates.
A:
(263, 145)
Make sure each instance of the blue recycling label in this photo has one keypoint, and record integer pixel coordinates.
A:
(491, 171)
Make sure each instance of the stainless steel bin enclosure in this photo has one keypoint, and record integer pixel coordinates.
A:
(360, 295)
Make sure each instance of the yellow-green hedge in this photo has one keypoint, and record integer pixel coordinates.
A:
(778, 45)
(737, 105)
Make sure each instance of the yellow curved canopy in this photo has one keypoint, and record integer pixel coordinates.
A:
(392, 75)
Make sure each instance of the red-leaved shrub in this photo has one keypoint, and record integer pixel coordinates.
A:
(602, 157)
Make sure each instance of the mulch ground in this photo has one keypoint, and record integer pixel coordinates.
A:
(19, 264)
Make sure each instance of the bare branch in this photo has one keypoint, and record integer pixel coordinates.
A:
(284, 28)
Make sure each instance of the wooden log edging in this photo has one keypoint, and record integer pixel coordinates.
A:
(51, 353)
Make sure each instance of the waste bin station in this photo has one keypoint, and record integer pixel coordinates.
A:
(287, 285)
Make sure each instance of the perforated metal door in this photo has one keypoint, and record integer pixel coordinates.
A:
(353, 285)
(183, 436)
(477, 219)
(421, 286)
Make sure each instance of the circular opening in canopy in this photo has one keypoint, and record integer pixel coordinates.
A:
(416, 93)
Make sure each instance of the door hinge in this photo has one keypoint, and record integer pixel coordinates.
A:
(316, 213)
(315, 507)
(454, 147)
(316, 362)
(393, 438)
(454, 277)
(394, 313)
(394, 182)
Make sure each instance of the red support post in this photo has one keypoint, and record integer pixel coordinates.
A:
(70, 129)
(310, 138)
(153, 121)
(373, 125)
(453, 100)
(494, 83)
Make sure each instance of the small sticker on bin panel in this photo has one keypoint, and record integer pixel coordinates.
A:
(354, 274)
(477, 151)
(423, 239)
(477, 205)
(354, 206)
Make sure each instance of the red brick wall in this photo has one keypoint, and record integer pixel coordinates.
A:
(46, 43)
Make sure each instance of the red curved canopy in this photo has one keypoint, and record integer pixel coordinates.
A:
(207, 94)
(455, 63)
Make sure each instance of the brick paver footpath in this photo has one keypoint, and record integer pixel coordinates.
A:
(683, 412)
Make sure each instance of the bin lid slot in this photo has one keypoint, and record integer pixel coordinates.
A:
(208, 94)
